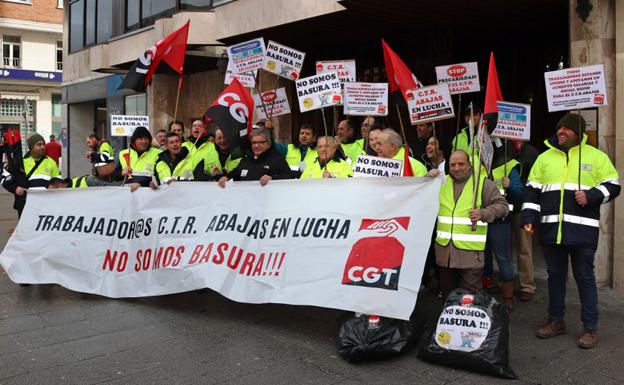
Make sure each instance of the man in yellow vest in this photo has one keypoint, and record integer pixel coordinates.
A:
(137, 163)
(390, 145)
(228, 158)
(350, 141)
(567, 206)
(39, 170)
(329, 163)
(459, 249)
(173, 163)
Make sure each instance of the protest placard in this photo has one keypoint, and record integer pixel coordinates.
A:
(124, 125)
(283, 61)
(514, 121)
(275, 103)
(461, 78)
(576, 88)
(247, 79)
(345, 68)
(112, 242)
(318, 91)
(366, 99)
(429, 104)
(246, 56)
(369, 166)
(485, 147)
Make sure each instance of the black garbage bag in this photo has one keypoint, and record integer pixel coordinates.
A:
(472, 333)
(366, 337)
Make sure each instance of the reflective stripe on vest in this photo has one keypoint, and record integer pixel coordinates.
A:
(454, 222)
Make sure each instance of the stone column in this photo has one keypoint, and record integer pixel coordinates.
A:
(618, 103)
(593, 42)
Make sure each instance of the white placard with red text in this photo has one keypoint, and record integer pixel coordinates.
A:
(283, 61)
(366, 99)
(429, 104)
(246, 79)
(461, 78)
(345, 69)
(247, 56)
(319, 91)
(275, 103)
(576, 88)
(357, 252)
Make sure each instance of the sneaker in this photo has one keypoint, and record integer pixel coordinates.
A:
(588, 339)
(551, 328)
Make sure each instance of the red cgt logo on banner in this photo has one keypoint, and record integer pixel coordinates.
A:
(375, 261)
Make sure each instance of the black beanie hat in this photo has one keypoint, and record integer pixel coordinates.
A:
(140, 132)
(573, 122)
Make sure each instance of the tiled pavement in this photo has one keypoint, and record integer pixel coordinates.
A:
(50, 335)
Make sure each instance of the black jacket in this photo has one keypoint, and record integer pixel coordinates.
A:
(268, 163)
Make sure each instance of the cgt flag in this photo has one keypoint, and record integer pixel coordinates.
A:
(171, 50)
(400, 78)
(492, 95)
(232, 112)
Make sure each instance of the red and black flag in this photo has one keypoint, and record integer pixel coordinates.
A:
(232, 112)
(171, 50)
(15, 160)
(492, 95)
(400, 78)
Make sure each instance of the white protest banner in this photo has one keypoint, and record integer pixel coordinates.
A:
(247, 79)
(356, 252)
(429, 104)
(369, 166)
(461, 78)
(514, 121)
(345, 68)
(366, 99)
(275, 103)
(124, 125)
(576, 88)
(283, 61)
(246, 56)
(319, 91)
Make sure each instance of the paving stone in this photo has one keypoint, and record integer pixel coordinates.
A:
(287, 374)
(21, 323)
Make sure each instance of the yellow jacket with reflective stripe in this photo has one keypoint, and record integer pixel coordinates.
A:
(143, 166)
(293, 157)
(454, 217)
(550, 193)
(338, 168)
(353, 150)
(418, 168)
(46, 170)
(207, 153)
(499, 173)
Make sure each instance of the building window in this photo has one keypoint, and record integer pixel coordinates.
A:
(105, 21)
(60, 4)
(191, 5)
(11, 51)
(59, 55)
(136, 104)
(56, 115)
(14, 108)
(76, 25)
(155, 9)
(20, 1)
(90, 16)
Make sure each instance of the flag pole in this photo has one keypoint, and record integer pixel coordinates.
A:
(458, 118)
(175, 113)
(324, 121)
(274, 90)
(261, 98)
(401, 124)
(580, 135)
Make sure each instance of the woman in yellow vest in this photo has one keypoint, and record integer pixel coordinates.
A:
(329, 163)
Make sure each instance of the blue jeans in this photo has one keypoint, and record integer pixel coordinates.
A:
(498, 244)
(583, 270)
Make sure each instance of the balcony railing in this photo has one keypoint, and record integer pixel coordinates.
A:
(12, 62)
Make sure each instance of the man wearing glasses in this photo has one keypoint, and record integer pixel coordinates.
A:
(263, 164)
